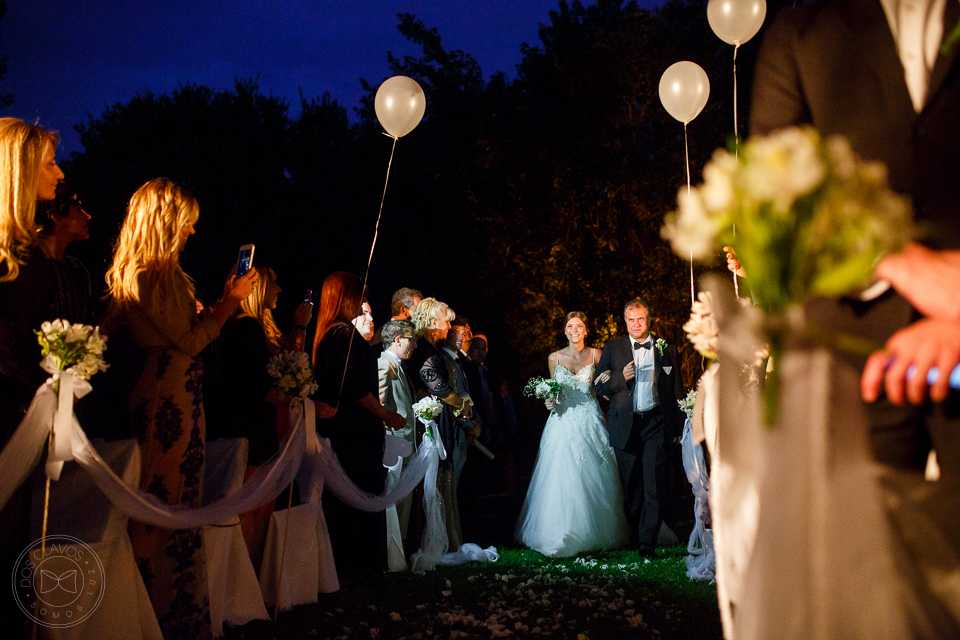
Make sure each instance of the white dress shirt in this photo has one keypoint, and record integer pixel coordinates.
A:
(917, 28)
(645, 388)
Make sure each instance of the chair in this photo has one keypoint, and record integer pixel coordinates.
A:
(231, 581)
(80, 510)
(308, 565)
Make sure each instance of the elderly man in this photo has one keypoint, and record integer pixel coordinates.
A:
(397, 393)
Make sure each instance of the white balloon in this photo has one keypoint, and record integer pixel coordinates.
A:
(399, 105)
(736, 21)
(684, 89)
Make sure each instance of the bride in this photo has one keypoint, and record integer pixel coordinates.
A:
(575, 502)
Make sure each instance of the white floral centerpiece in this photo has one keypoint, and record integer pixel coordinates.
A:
(810, 220)
(292, 375)
(75, 348)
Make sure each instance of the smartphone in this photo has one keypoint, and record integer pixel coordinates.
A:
(245, 259)
(309, 297)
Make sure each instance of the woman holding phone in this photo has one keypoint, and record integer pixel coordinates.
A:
(154, 298)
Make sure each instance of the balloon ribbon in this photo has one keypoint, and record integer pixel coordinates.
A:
(376, 230)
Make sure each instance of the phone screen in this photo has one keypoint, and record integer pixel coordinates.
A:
(243, 262)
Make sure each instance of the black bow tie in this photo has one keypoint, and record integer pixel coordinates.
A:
(645, 345)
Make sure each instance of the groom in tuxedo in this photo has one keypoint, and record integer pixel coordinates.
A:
(643, 386)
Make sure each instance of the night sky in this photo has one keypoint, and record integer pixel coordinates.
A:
(70, 58)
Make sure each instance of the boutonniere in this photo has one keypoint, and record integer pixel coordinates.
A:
(661, 344)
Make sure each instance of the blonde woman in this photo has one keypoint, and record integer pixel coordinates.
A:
(242, 402)
(434, 374)
(154, 298)
(28, 172)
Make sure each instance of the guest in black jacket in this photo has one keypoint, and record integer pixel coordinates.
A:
(346, 371)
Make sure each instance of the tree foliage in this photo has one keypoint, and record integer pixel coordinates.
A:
(516, 199)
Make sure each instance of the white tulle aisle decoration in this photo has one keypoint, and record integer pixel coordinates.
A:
(701, 563)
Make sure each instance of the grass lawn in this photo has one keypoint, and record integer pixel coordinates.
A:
(605, 595)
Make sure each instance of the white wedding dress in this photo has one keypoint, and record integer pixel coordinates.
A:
(575, 502)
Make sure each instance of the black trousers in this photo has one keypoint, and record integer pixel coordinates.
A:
(643, 473)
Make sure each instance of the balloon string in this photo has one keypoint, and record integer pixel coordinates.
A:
(376, 231)
(686, 154)
(736, 126)
(736, 149)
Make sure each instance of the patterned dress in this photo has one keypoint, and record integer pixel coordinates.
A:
(166, 413)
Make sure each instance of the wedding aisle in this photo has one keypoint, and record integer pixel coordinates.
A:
(524, 595)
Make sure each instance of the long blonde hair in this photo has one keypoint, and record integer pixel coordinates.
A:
(21, 152)
(149, 243)
(252, 307)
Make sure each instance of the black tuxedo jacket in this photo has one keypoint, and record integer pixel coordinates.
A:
(617, 354)
(834, 64)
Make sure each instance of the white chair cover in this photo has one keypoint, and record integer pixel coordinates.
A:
(300, 575)
(79, 509)
(231, 581)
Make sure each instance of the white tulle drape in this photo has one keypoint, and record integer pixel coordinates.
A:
(319, 469)
(701, 563)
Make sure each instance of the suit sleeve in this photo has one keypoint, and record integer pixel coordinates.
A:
(778, 98)
(616, 381)
(678, 391)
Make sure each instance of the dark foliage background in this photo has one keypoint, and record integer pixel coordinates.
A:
(516, 200)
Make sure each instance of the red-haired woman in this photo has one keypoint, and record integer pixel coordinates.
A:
(346, 371)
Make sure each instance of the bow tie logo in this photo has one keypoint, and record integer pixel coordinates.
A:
(66, 581)
(645, 345)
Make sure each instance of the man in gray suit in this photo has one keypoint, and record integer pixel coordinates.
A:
(397, 394)
(644, 384)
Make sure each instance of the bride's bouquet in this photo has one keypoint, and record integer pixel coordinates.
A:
(74, 348)
(292, 375)
(543, 389)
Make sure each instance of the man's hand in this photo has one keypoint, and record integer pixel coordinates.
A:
(930, 280)
(629, 372)
(395, 421)
(925, 344)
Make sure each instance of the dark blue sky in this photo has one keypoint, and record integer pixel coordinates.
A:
(68, 58)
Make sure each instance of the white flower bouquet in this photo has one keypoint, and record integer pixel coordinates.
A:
(687, 403)
(292, 375)
(544, 388)
(808, 219)
(811, 219)
(427, 409)
(75, 348)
